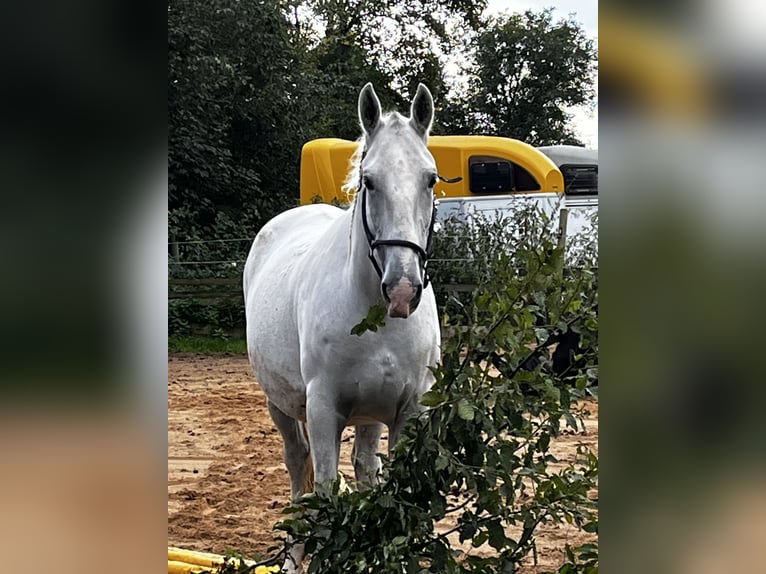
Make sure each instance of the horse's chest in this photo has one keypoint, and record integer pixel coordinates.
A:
(378, 388)
(381, 367)
(380, 375)
(361, 373)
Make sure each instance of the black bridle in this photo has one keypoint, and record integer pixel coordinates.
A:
(375, 243)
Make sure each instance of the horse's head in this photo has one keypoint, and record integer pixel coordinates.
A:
(398, 174)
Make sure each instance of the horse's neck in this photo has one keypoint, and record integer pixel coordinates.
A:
(361, 273)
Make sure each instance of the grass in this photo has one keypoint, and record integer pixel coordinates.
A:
(200, 344)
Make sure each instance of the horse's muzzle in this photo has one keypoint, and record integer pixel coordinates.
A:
(403, 298)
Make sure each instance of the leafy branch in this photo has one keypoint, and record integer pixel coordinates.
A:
(480, 450)
(375, 318)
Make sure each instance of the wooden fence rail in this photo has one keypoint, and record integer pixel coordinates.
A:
(212, 281)
(208, 289)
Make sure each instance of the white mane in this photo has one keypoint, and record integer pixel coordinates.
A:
(351, 184)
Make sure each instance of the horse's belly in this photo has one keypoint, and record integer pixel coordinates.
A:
(283, 388)
(270, 284)
(275, 359)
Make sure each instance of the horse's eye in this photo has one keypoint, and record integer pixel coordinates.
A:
(432, 181)
(368, 183)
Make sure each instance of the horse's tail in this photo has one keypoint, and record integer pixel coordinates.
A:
(308, 475)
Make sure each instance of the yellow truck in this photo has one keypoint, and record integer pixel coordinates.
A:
(495, 171)
(488, 165)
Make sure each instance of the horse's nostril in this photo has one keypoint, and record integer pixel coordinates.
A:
(418, 292)
(384, 287)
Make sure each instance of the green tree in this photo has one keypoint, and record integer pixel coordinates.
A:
(233, 130)
(394, 45)
(527, 71)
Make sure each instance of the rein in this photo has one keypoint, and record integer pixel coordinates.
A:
(375, 243)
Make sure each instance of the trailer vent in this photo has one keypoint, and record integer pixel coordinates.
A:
(580, 179)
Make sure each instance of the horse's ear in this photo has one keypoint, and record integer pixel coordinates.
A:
(422, 111)
(369, 109)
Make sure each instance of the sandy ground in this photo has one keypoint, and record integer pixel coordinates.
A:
(227, 483)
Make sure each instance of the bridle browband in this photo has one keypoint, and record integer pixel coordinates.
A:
(375, 243)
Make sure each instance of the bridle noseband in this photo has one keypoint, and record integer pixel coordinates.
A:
(375, 243)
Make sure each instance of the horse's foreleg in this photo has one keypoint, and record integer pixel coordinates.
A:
(394, 432)
(364, 454)
(414, 408)
(325, 425)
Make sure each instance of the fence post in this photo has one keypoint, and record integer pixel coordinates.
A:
(559, 262)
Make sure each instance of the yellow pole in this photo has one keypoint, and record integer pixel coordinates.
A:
(191, 562)
(193, 557)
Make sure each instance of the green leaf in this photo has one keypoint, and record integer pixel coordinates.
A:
(465, 410)
(375, 318)
(591, 527)
(570, 553)
(479, 539)
(399, 540)
(432, 398)
(441, 462)
(496, 534)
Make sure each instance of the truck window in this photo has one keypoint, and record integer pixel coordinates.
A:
(488, 174)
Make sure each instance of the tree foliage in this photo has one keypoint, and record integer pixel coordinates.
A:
(528, 71)
(251, 82)
(233, 123)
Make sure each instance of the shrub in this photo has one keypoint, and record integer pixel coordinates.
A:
(480, 450)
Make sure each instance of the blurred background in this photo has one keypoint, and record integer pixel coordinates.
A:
(682, 88)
